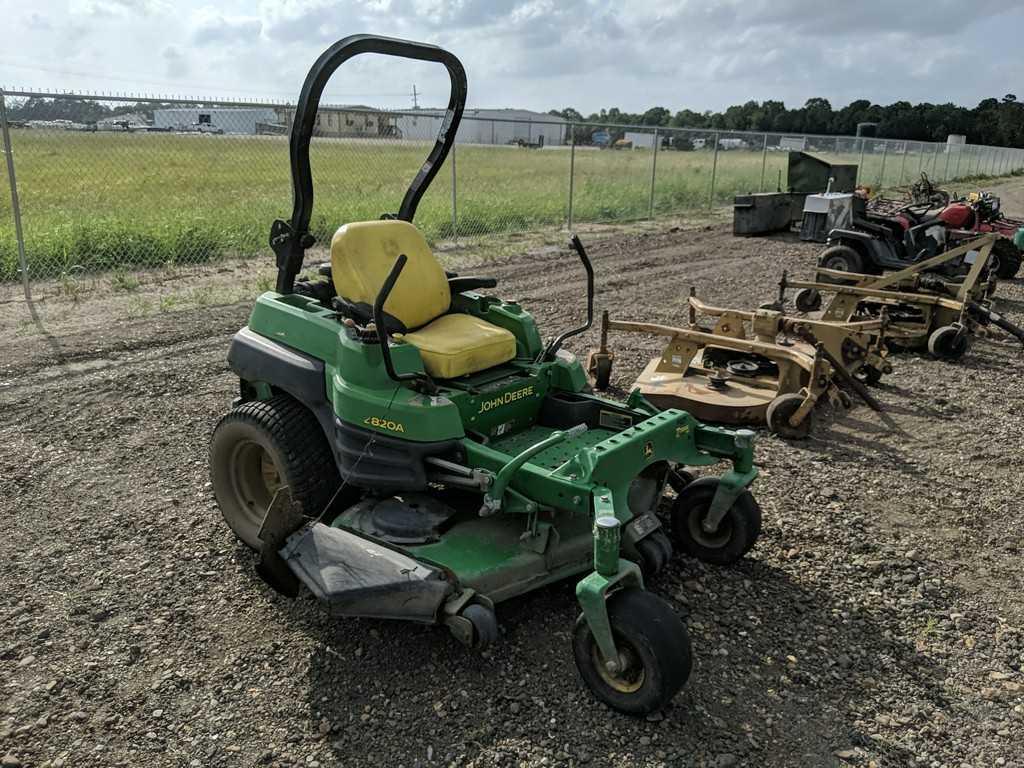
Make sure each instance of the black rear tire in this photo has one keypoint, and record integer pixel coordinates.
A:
(1009, 258)
(653, 644)
(261, 447)
(841, 258)
(736, 533)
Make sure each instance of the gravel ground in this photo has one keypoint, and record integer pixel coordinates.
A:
(877, 623)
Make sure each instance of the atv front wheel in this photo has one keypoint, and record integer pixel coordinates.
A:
(841, 258)
(948, 343)
(653, 648)
(260, 447)
(735, 535)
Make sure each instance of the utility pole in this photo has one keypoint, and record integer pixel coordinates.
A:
(415, 97)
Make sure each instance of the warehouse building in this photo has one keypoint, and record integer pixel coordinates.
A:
(226, 119)
(487, 126)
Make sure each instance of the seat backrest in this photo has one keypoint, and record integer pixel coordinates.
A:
(362, 255)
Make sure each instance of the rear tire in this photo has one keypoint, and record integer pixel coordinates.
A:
(261, 447)
(948, 343)
(841, 258)
(1009, 258)
(653, 646)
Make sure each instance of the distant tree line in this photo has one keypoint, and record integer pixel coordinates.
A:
(75, 110)
(999, 122)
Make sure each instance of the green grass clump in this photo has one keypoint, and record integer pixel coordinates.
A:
(101, 201)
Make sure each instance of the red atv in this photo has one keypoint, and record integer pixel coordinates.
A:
(977, 213)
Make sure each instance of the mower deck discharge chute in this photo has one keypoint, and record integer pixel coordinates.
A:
(751, 367)
(923, 311)
(406, 447)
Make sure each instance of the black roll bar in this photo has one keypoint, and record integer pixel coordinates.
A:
(290, 239)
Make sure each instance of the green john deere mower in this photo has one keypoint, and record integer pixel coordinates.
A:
(406, 446)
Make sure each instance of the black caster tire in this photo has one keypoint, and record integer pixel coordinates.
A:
(678, 479)
(654, 648)
(841, 258)
(807, 300)
(600, 371)
(736, 534)
(868, 374)
(948, 343)
(262, 446)
(485, 625)
(779, 412)
(654, 552)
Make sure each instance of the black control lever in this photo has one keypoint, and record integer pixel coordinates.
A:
(555, 345)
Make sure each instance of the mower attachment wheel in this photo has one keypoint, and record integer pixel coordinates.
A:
(780, 410)
(485, 624)
(599, 366)
(807, 300)
(735, 535)
(948, 343)
(868, 374)
(260, 447)
(653, 653)
(841, 258)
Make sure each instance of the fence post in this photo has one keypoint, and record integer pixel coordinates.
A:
(455, 218)
(572, 168)
(764, 161)
(945, 173)
(16, 207)
(903, 161)
(860, 165)
(654, 168)
(492, 133)
(714, 171)
(959, 154)
(881, 172)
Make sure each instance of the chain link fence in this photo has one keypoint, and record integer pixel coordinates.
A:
(178, 182)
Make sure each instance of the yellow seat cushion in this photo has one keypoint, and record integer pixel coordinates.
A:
(362, 255)
(457, 344)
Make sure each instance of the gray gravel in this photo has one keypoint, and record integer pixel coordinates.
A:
(878, 621)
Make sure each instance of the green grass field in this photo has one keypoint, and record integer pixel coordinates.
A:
(100, 201)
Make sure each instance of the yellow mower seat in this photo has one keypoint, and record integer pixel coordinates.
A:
(457, 344)
(451, 345)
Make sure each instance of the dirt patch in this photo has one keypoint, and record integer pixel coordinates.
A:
(879, 618)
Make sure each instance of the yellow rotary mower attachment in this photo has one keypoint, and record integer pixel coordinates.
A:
(757, 367)
(921, 313)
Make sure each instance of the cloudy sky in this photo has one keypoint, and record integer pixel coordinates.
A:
(538, 54)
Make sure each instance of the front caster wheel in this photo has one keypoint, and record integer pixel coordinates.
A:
(735, 535)
(599, 367)
(654, 653)
(948, 343)
(485, 625)
(780, 410)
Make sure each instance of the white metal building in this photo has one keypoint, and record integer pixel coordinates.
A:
(487, 126)
(227, 119)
